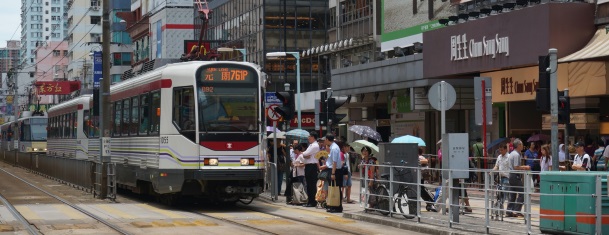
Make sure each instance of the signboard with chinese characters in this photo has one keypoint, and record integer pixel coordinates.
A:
(57, 88)
(520, 84)
(501, 41)
(97, 68)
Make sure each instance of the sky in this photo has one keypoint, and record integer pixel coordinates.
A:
(10, 20)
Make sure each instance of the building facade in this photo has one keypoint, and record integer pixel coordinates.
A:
(41, 21)
(120, 46)
(9, 56)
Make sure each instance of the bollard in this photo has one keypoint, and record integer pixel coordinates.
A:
(418, 194)
(486, 200)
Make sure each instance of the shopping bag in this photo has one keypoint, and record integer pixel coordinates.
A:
(299, 196)
(321, 194)
(333, 194)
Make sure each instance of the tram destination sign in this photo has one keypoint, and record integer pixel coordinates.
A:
(227, 74)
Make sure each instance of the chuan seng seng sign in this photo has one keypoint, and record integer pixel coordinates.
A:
(507, 40)
(462, 49)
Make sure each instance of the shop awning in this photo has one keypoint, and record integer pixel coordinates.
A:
(598, 46)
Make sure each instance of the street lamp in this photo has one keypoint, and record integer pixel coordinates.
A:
(228, 49)
(297, 56)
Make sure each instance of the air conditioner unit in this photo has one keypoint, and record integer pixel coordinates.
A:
(95, 8)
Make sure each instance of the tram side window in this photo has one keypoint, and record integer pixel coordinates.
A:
(144, 115)
(25, 132)
(183, 108)
(74, 124)
(66, 126)
(155, 118)
(60, 127)
(86, 122)
(135, 123)
(117, 118)
(126, 121)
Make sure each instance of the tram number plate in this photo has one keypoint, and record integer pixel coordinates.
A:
(106, 146)
(165, 140)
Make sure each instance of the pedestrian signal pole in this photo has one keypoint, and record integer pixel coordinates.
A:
(554, 104)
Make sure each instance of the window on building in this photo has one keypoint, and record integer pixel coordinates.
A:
(95, 19)
(95, 37)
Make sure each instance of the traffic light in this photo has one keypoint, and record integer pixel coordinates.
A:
(333, 105)
(542, 96)
(287, 109)
(564, 110)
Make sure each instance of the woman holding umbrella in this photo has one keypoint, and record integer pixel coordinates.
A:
(367, 158)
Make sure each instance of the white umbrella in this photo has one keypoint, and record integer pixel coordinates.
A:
(279, 134)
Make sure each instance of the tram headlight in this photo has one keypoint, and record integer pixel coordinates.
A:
(210, 161)
(247, 161)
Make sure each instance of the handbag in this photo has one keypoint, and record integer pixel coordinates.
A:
(299, 195)
(323, 175)
(333, 194)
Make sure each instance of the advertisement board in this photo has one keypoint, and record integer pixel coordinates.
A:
(403, 21)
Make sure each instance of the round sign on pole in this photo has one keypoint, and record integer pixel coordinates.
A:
(435, 96)
(272, 114)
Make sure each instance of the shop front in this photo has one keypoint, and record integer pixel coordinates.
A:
(506, 47)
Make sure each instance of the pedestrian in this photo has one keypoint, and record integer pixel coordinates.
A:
(598, 157)
(372, 173)
(511, 143)
(345, 148)
(504, 167)
(582, 161)
(562, 156)
(516, 184)
(311, 168)
(279, 160)
(289, 169)
(531, 160)
(478, 149)
(425, 195)
(546, 158)
(333, 166)
(299, 164)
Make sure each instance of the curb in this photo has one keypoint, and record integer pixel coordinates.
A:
(409, 226)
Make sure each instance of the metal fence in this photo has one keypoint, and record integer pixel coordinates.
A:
(395, 195)
(74, 172)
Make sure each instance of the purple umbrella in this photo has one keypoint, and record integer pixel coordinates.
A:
(366, 131)
(538, 137)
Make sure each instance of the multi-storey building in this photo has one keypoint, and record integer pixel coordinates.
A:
(9, 56)
(51, 65)
(41, 21)
(84, 22)
(158, 31)
(121, 41)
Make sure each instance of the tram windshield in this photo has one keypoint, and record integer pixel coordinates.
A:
(228, 99)
(37, 129)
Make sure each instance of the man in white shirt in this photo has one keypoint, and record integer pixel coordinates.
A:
(581, 162)
(311, 168)
(504, 167)
(515, 179)
(334, 165)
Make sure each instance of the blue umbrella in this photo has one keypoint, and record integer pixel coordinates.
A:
(409, 139)
(298, 133)
(495, 143)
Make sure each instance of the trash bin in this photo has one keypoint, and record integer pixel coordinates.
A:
(567, 204)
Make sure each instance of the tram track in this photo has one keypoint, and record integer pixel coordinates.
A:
(316, 227)
(30, 226)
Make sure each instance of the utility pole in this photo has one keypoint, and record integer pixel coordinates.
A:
(104, 90)
(554, 103)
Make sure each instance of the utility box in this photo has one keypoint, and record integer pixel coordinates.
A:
(396, 153)
(568, 204)
(455, 155)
